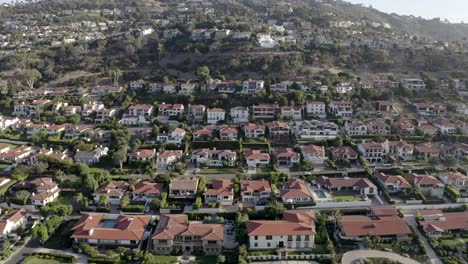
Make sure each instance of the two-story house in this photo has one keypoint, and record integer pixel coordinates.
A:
(183, 188)
(214, 157)
(257, 158)
(428, 184)
(147, 191)
(114, 190)
(252, 191)
(220, 191)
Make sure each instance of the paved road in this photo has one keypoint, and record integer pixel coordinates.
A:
(355, 255)
(15, 142)
(34, 246)
(430, 252)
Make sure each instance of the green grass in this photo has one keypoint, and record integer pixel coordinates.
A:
(206, 260)
(61, 238)
(264, 170)
(36, 260)
(4, 166)
(345, 196)
(5, 187)
(162, 260)
(218, 171)
(454, 242)
(65, 197)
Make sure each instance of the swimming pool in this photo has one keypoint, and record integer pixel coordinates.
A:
(320, 194)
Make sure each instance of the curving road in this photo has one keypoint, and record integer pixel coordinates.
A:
(352, 257)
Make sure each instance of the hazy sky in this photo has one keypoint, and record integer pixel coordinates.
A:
(453, 10)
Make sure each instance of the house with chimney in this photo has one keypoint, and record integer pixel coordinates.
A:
(142, 155)
(43, 190)
(436, 223)
(399, 149)
(344, 154)
(357, 227)
(427, 184)
(253, 130)
(278, 130)
(394, 183)
(228, 133)
(295, 232)
(203, 134)
(175, 233)
(425, 151)
(456, 180)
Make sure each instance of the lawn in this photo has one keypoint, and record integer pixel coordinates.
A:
(65, 197)
(61, 238)
(264, 170)
(451, 242)
(161, 259)
(346, 196)
(36, 260)
(218, 171)
(4, 166)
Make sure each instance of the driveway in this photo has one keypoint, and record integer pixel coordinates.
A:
(430, 252)
(352, 257)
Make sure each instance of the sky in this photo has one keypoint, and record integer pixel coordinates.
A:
(453, 10)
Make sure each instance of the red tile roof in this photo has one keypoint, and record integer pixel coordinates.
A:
(170, 226)
(147, 187)
(220, 187)
(256, 155)
(256, 186)
(296, 188)
(125, 227)
(393, 179)
(293, 223)
(359, 226)
(449, 221)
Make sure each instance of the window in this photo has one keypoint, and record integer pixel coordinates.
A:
(269, 237)
(256, 237)
(307, 238)
(212, 242)
(268, 244)
(255, 244)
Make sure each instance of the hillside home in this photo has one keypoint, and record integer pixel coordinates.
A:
(142, 155)
(252, 191)
(428, 184)
(13, 220)
(342, 109)
(291, 112)
(215, 115)
(114, 190)
(167, 110)
(414, 84)
(362, 186)
(44, 191)
(197, 112)
(147, 191)
(252, 86)
(295, 232)
(378, 127)
(316, 109)
(239, 114)
(257, 158)
(176, 136)
(430, 109)
(220, 191)
(265, 111)
(313, 153)
(344, 154)
(287, 156)
(442, 224)
(278, 130)
(90, 157)
(175, 233)
(167, 158)
(183, 188)
(214, 157)
(357, 227)
(104, 230)
(399, 149)
(296, 191)
(355, 127)
(253, 130)
(456, 180)
(394, 183)
(228, 133)
(372, 151)
(315, 129)
(203, 134)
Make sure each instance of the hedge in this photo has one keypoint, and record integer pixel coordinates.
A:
(452, 193)
(216, 144)
(59, 257)
(135, 208)
(101, 260)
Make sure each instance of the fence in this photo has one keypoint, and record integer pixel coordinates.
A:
(289, 257)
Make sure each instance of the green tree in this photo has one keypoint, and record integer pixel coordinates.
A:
(221, 259)
(104, 200)
(20, 173)
(125, 201)
(120, 156)
(40, 233)
(22, 197)
(115, 74)
(198, 203)
(203, 74)
(30, 77)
